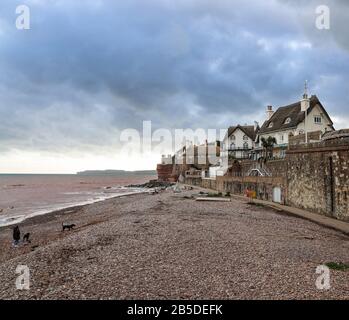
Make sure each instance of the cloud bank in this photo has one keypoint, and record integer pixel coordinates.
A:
(88, 69)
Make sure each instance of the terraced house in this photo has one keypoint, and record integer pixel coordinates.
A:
(308, 167)
(240, 140)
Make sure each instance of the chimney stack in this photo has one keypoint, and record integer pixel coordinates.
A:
(270, 112)
(256, 124)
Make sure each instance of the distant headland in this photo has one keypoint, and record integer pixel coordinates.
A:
(122, 173)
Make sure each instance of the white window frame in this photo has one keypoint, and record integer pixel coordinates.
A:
(287, 120)
(317, 119)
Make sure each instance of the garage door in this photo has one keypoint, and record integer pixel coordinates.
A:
(277, 194)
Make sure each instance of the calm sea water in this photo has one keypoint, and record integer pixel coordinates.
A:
(23, 196)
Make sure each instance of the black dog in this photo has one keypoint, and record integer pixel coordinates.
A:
(68, 226)
(26, 238)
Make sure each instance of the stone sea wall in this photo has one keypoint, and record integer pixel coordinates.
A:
(314, 177)
(318, 179)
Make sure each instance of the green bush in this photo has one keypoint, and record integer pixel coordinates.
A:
(337, 266)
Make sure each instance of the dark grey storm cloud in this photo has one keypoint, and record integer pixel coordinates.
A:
(88, 69)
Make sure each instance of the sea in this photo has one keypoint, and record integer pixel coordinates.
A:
(26, 195)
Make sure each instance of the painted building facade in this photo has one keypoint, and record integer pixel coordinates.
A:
(303, 117)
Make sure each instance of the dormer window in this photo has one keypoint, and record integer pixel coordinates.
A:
(271, 125)
(287, 120)
(317, 119)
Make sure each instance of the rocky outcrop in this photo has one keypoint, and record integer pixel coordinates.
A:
(152, 184)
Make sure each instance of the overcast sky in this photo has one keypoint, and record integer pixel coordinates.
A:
(87, 69)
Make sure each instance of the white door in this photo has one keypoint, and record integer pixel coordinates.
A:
(277, 194)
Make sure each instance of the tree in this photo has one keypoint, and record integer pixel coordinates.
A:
(268, 145)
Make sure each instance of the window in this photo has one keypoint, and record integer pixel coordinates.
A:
(245, 145)
(281, 137)
(287, 120)
(232, 146)
(233, 138)
(270, 125)
(317, 119)
(245, 137)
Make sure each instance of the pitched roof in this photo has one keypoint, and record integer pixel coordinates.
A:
(248, 130)
(292, 111)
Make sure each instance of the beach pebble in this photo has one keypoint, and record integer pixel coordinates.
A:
(172, 247)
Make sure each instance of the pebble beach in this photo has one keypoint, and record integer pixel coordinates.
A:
(169, 246)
